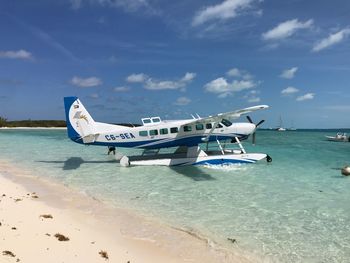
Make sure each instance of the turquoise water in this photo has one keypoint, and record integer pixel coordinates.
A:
(296, 209)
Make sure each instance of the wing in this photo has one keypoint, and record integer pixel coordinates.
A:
(228, 115)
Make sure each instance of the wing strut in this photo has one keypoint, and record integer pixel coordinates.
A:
(206, 138)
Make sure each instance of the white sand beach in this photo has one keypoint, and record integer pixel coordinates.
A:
(35, 213)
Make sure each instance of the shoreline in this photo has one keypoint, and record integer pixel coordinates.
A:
(33, 128)
(91, 225)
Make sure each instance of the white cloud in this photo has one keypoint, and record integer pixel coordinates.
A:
(289, 73)
(121, 89)
(223, 11)
(253, 92)
(76, 4)
(307, 96)
(286, 29)
(331, 40)
(223, 88)
(238, 73)
(238, 85)
(126, 5)
(94, 96)
(189, 76)
(19, 54)
(154, 84)
(219, 85)
(254, 100)
(234, 72)
(85, 83)
(252, 96)
(182, 101)
(137, 78)
(289, 90)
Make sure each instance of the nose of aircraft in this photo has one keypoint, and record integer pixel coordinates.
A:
(250, 128)
(244, 128)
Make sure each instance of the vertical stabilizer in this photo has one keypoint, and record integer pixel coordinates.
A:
(80, 124)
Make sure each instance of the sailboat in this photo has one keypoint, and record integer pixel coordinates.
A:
(280, 125)
(292, 128)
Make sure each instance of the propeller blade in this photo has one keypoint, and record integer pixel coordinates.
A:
(259, 123)
(256, 125)
(249, 119)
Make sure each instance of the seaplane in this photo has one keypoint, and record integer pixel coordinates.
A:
(191, 138)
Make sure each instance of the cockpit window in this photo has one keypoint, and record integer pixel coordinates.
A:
(155, 120)
(227, 123)
(146, 120)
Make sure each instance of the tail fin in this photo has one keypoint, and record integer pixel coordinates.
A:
(80, 124)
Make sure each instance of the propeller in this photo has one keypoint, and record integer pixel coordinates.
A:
(256, 126)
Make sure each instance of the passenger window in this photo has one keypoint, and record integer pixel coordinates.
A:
(199, 126)
(153, 132)
(208, 126)
(174, 130)
(187, 128)
(163, 131)
(143, 133)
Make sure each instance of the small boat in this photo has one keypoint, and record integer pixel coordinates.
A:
(340, 137)
(280, 125)
(292, 128)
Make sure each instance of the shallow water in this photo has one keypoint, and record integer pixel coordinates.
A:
(295, 209)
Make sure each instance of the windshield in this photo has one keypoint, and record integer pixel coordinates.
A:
(227, 123)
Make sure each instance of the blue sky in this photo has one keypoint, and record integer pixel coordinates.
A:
(128, 59)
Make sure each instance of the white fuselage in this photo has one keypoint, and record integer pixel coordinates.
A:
(169, 134)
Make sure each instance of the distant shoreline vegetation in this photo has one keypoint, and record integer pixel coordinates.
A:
(45, 123)
(32, 123)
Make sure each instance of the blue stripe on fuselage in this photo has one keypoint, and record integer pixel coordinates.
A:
(156, 144)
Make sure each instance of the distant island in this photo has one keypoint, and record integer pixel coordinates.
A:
(45, 123)
(32, 123)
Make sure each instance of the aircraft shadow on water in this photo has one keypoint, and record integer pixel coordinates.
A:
(74, 163)
(192, 172)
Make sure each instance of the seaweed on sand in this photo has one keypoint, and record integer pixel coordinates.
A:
(233, 240)
(104, 254)
(61, 237)
(8, 253)
(46, 216)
